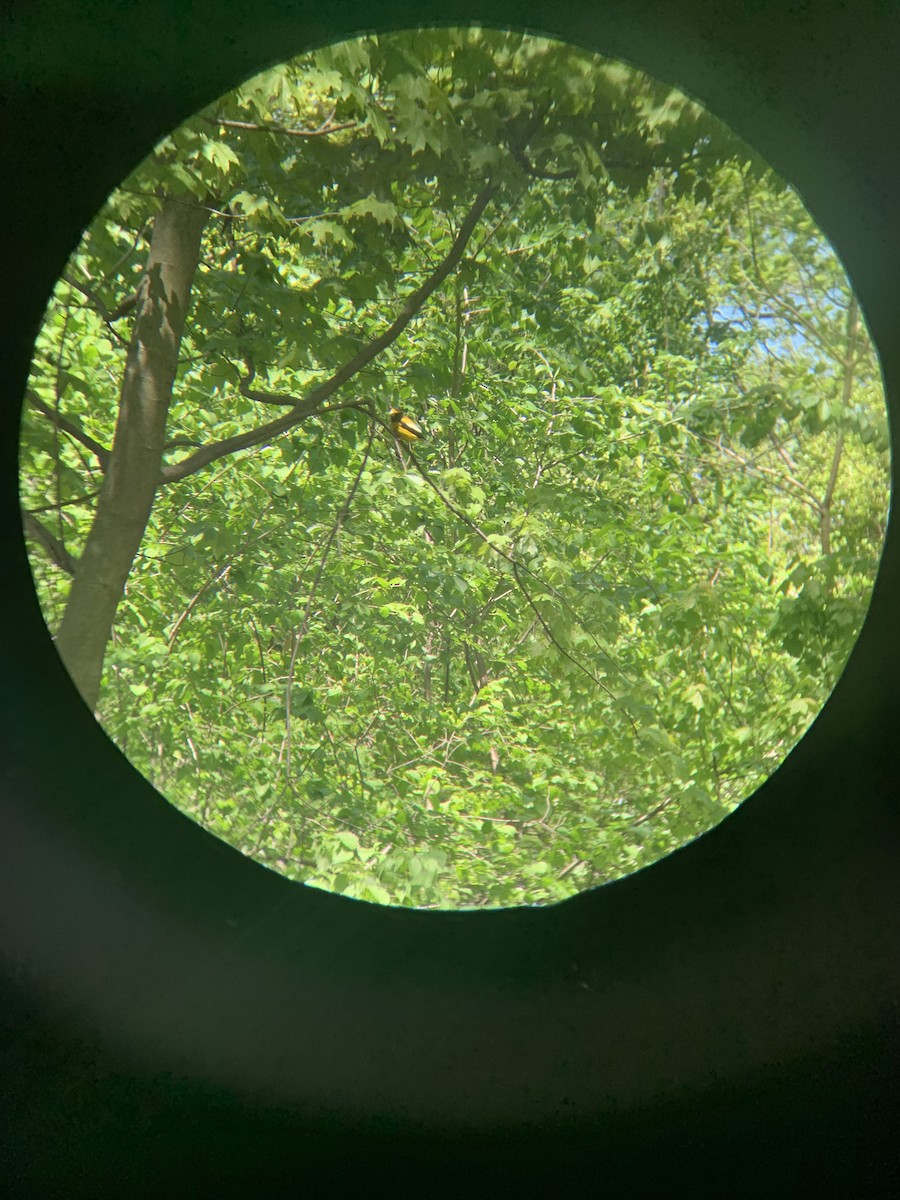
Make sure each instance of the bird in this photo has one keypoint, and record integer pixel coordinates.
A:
(404, 427)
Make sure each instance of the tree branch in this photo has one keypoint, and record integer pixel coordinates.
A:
(652, 813)
(100, 452)
(106, 315)
(518, 569)
(552, 638)
(313, 402)
(263, 397)
(57, 505)
(57, 552)
(536, 172)
(269, 127)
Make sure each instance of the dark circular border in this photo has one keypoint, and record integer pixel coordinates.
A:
(178, 1020)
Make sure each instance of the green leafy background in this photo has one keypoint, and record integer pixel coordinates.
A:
(587, 616)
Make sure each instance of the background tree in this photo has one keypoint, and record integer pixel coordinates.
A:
(581, 621)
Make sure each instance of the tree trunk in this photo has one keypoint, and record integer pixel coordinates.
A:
(132, 476)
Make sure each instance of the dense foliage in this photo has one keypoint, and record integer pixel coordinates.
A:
(582, 619)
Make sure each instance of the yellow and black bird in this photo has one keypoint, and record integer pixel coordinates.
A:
(404, 427)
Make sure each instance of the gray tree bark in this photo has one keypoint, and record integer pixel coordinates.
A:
(133, 472)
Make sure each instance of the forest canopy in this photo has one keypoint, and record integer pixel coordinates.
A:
(584, 615)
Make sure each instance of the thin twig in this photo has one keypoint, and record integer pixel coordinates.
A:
(271, 127)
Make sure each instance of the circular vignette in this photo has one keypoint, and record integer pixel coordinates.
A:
(589, 603)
